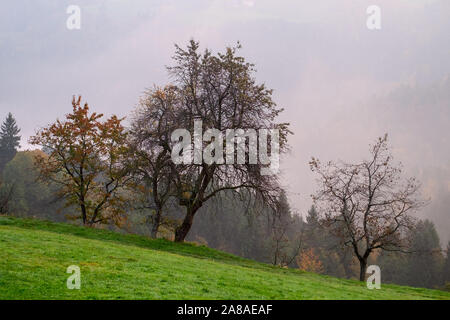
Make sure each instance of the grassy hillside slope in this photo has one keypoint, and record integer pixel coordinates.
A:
(34, 256)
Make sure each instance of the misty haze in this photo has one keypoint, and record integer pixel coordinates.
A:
(343, 95)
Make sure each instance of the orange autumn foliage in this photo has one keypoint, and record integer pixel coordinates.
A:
(309, 261)
(86, 159)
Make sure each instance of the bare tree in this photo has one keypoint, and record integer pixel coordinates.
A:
(150, 151)
(221, 92)
(368, 202)
(286, 241)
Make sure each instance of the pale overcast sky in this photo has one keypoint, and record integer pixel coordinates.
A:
(341, 84)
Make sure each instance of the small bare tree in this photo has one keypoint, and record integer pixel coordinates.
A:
(285, 247)
(150, 153)
(370, 200)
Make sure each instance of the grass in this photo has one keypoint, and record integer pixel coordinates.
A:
(35, 254)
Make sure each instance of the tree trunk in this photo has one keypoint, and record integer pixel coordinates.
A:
(182, 231)
(362, 270)
(83, 213)
(156, 224)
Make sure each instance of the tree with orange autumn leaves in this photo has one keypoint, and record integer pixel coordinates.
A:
(86, 159)
(308, 260)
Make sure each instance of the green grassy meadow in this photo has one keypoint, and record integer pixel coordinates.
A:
(35, 254)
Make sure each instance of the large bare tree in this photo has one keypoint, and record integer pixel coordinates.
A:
(367, 204)
(221, 92)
